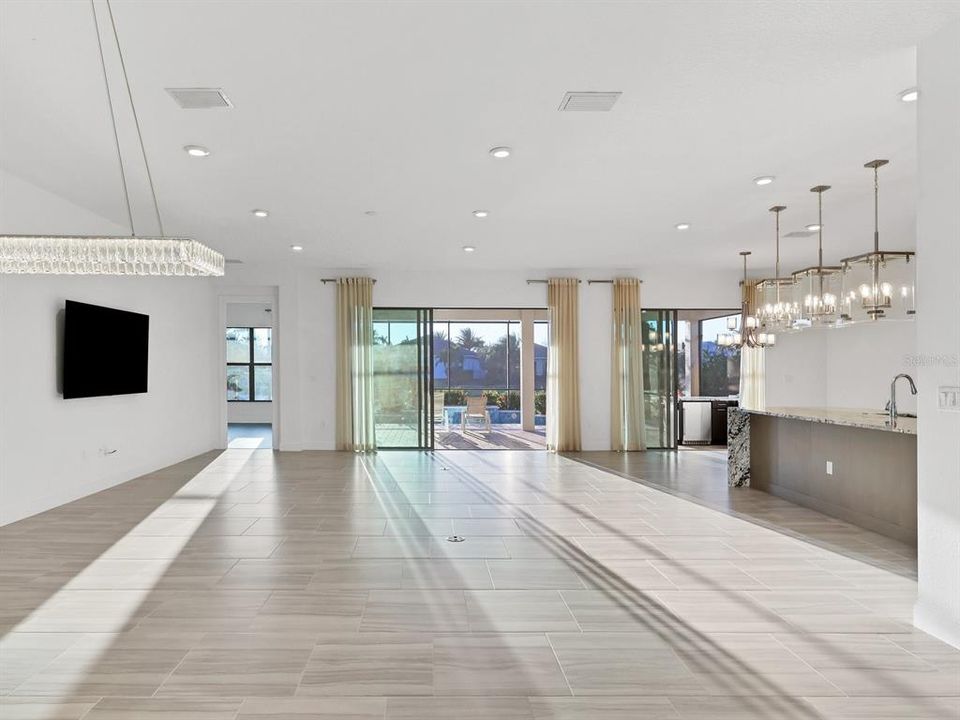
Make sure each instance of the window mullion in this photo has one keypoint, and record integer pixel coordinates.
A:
(253, 392)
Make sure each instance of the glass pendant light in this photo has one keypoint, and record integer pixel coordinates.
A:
(879, 285)
(777, 308)
(817, 289)
(746, 331)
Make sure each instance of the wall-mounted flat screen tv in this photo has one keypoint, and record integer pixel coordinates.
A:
(104, 351)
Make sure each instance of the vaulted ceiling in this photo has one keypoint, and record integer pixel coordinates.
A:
(344, 108)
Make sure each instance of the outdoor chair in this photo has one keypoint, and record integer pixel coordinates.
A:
(476, 410)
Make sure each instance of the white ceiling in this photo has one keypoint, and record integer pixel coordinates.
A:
(346, 107)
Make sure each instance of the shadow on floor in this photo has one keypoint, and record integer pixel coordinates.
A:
(701, 477)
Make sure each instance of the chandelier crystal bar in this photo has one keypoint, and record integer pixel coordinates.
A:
(104, 255)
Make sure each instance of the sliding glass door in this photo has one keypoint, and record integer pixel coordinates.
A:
(660, 377)
(403, 377)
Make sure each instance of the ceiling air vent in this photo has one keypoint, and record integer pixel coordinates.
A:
(588, 101)
(199, 98)
(800, 233)
(233, 261)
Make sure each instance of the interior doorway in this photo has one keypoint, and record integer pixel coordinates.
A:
(249, 354)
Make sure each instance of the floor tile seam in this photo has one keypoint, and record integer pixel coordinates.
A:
(556, 658)
(569, 610)
(797, 655)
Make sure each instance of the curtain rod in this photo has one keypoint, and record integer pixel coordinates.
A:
(333, 280)
(543, 282)
(604, 282)
(589, 282)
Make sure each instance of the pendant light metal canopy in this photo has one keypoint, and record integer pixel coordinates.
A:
(777, 309)
(818, 288)
(881, 284)
(103, 254)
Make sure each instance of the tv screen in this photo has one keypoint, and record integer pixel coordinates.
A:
(104, 351)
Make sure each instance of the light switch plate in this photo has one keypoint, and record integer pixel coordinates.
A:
(829, 467)
(948, 398)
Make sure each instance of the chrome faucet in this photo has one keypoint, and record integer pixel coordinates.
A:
(892, 404)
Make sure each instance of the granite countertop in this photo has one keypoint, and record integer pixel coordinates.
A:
(708, 398)
(851, 417)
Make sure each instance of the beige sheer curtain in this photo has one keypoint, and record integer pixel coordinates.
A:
(753, 376)
(626, 376)
(563, 366)
(355, 429)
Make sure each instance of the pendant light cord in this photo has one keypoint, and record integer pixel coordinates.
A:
(113, 120)
(136, 120)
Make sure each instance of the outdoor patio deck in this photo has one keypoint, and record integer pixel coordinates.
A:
(501, 437)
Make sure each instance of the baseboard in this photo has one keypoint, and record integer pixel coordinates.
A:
(91, 487)
(933, 621)
(319, 446)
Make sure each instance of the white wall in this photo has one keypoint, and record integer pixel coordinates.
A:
(249, 315)
(50, 448)
(938, 335)
(848, 367)
(307, 334)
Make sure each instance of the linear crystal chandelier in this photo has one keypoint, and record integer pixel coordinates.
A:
(88, 255)
(104, 254)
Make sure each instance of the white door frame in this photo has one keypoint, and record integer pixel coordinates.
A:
(274, 300)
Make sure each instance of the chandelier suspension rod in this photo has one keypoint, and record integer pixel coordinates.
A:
(776, 209)
(819, 190)
(820, 229)
(876, 208)
(113, 120)
(136, 119)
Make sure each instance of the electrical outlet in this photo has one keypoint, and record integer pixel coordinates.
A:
(829, 467)
(948, 398)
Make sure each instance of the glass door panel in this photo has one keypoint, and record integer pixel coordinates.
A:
(660, 377)
(402, 377)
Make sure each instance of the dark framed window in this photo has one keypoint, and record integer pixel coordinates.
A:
(249, 364)
(719, 365)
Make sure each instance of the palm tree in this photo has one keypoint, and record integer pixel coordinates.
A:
(468, 340)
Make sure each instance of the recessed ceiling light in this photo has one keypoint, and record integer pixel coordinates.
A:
(910, 95)
(297, 248)
(682, 226)
(196, 150)
(500, 152)
(469, 248)
(480, 213)
(260, 213)
(763, 180)
(813, 228)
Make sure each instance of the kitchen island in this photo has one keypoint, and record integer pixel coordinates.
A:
(848, 463)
